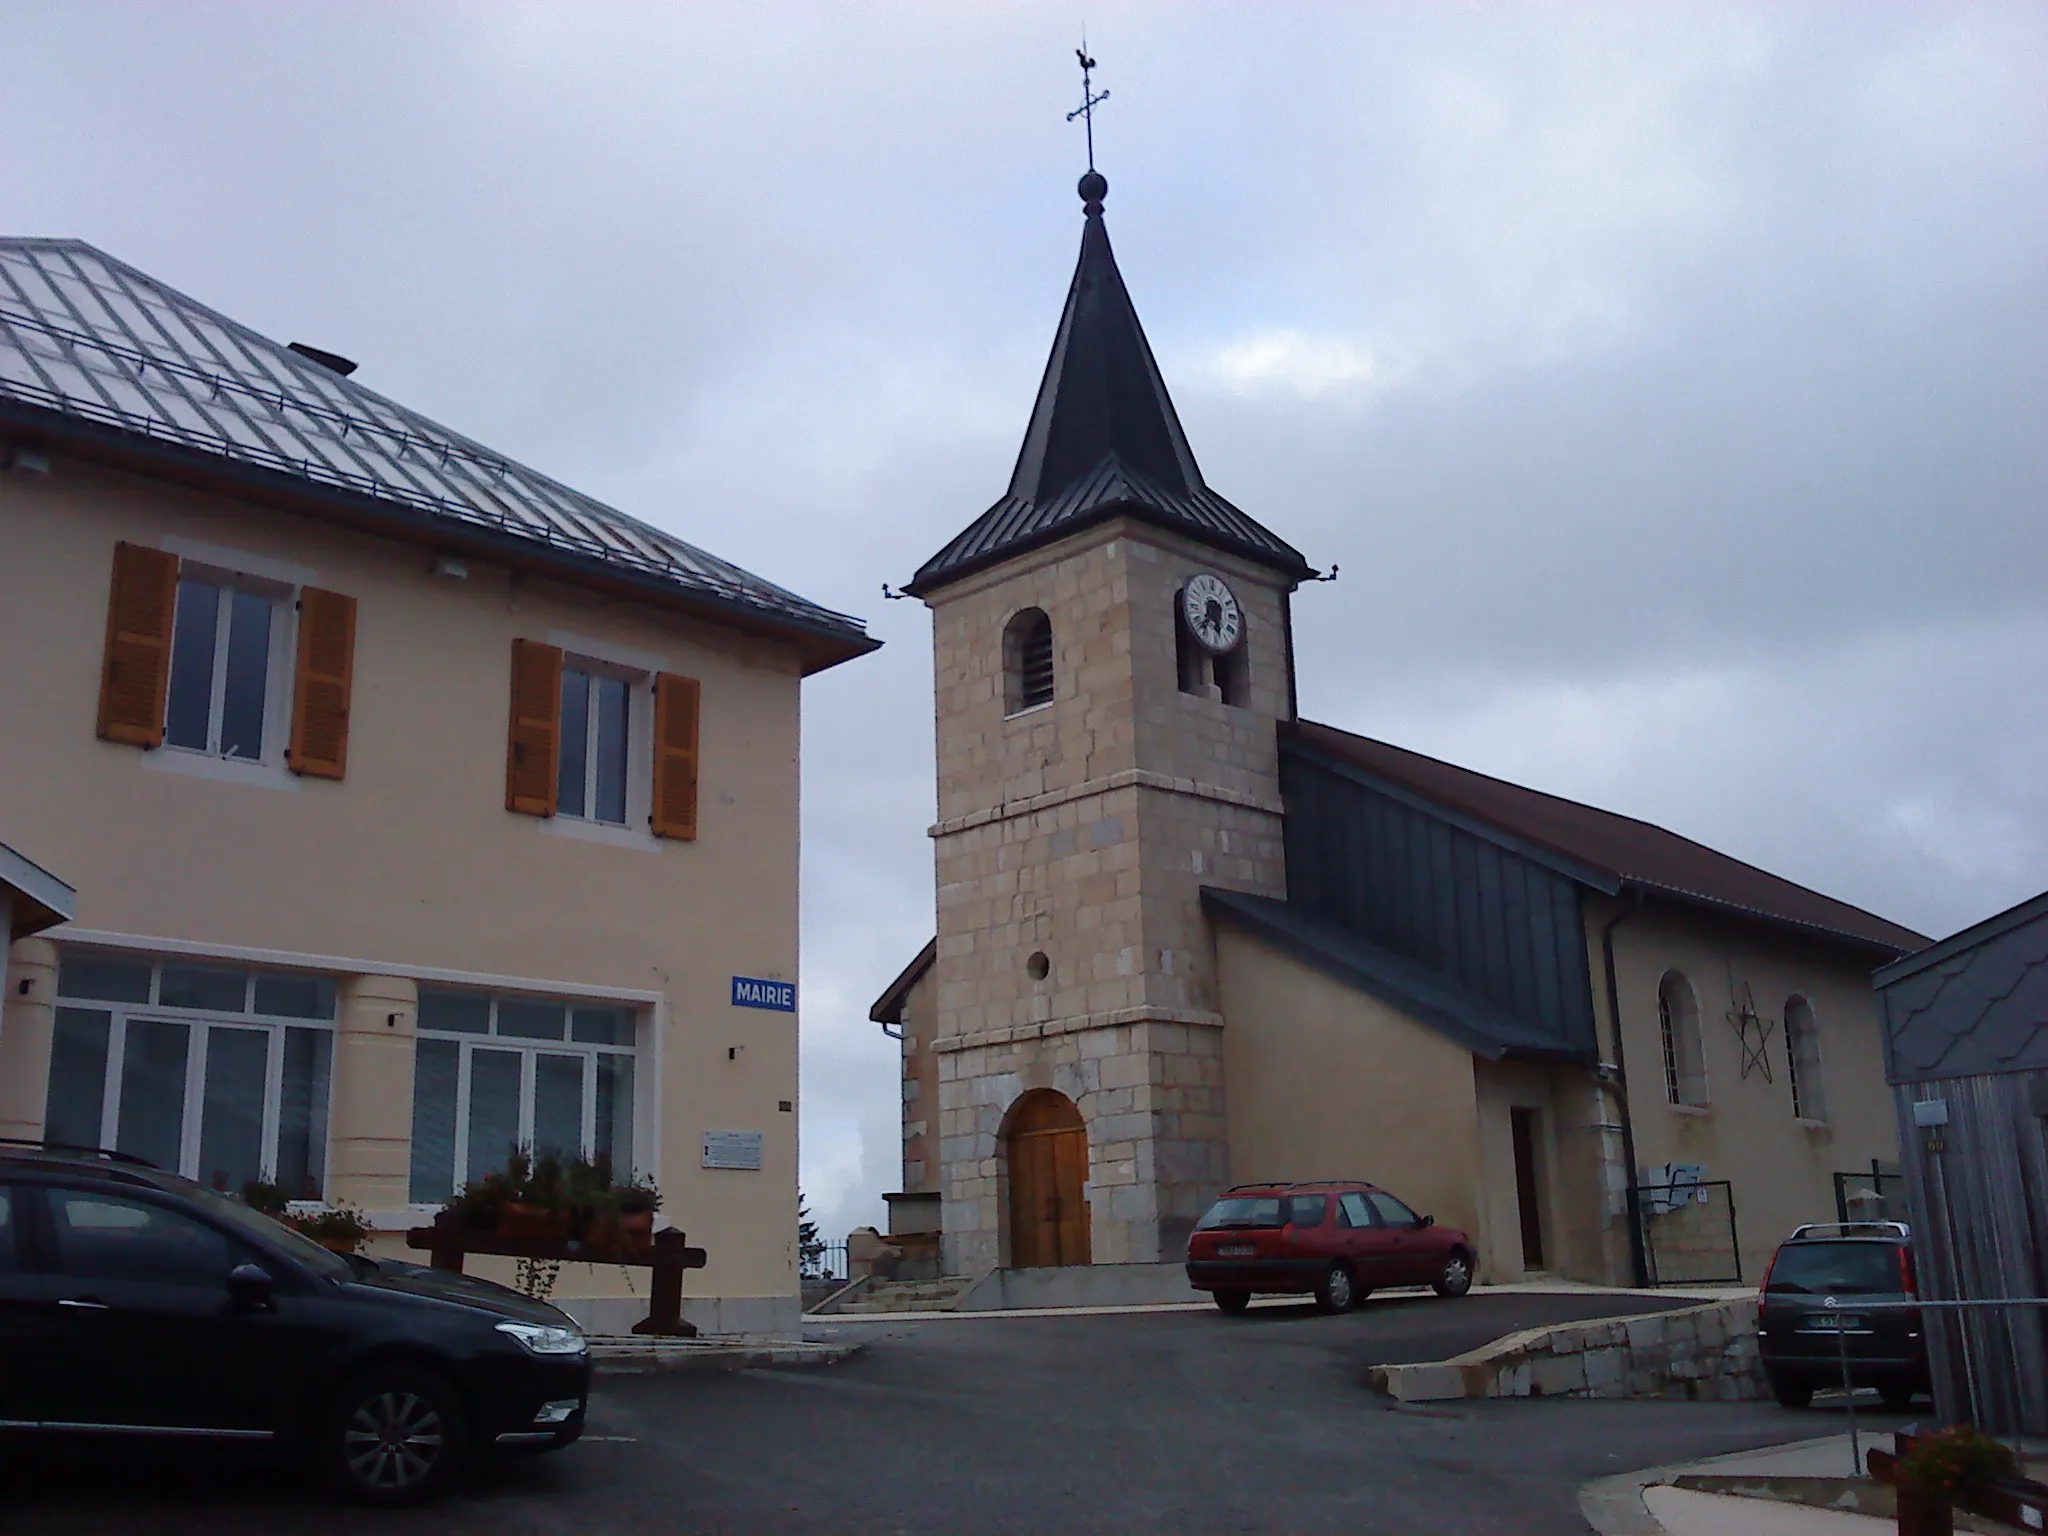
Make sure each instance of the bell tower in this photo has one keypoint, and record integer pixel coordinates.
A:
(1111, 653)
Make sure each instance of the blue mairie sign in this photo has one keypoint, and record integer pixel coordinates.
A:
(752, 992)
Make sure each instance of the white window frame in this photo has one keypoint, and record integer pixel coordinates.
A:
(202, 1022)
(1808, 1081)
(583, 653)
(639, 746)
(278, 669)
(1679, 1037)
(529, 1049)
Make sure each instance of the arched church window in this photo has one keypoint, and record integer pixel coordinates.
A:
(1027, 661)
(1802, 1056)
(1678, 1027)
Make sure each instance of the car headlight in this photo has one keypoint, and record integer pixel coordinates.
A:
(546, 1338)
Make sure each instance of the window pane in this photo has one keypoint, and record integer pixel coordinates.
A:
(192, 641)
(291, 996)
(78, 1077)
(203, 986)
(241, 707)
(433, 1120)
(1392, 1211)
(1308, 1210)
(610, 788)
(102, 977)
(461, 1013)
(1352, 1211)
(302, 1113)
(231, 1108)
(493, 1110)
(151, 1122)
(613, 1136)
(575, 739)
(526, 1020)
(602, 1026)
(557, 1105)
(103, 1237)
(10, 1248)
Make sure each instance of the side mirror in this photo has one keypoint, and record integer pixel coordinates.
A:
(1425, 1221)
(251, 1287)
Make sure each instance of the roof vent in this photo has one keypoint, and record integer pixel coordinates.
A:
(332, 361)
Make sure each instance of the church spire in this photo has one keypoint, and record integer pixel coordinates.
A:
(1104, 439)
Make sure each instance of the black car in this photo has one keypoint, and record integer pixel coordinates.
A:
(1815, 1307)
(136, 1302)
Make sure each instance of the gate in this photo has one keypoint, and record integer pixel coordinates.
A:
(1688, 1232)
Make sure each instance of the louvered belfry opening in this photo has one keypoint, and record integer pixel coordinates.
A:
(1027, 661)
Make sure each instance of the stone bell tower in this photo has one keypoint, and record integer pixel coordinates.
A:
(1111, 654)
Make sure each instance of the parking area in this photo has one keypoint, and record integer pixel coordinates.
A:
(1156, 1422)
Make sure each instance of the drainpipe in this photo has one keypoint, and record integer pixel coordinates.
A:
(1638, 1260)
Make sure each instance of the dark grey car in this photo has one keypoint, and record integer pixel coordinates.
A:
(1816, 1308)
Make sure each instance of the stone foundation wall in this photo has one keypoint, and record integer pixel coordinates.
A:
(1702, 1354)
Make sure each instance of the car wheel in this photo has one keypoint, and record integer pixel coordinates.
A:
(1791, 1394)
(1337, 1291)
(394, 1436)
(1232, 1302)
(1456, 1278)
(1896, 1396)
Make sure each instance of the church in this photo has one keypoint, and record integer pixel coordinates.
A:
(1187, 939)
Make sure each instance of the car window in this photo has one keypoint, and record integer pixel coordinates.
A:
(266, 1229)
(10, 1227)
(1308, 1210)
(1352, 1210)
(1242, 1211)
(1392, 1211)
(108, 1237)
(1853, 1269)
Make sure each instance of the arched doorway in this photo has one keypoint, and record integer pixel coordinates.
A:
(1048, 1154)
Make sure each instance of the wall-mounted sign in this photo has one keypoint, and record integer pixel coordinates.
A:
(751, 992)
(733, 1149)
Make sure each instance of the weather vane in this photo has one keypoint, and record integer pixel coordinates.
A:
(1089, 99)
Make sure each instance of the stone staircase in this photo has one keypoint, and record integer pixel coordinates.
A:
(883, 1296)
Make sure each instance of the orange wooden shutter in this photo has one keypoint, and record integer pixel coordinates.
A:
(138, 659)
(326, 674)
(530, 755)
(676, 701)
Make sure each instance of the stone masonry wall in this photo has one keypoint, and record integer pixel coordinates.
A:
(1703, 1354)
(1082, 831)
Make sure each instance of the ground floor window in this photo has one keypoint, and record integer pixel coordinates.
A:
(217, 1072)
(494, 1073)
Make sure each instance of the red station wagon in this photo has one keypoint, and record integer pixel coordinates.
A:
(1338, 1241)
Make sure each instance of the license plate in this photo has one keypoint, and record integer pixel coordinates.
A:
(1833, 1322)
(1236, 1250)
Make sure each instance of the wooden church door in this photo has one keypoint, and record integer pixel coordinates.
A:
(1048, 1147)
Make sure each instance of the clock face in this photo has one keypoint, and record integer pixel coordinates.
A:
(1209, 609)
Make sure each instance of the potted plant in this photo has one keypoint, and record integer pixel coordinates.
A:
(537, 1210)
(1937, 1471)
(637, 1202)
(337, 1229)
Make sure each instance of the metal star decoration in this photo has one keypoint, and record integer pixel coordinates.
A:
(1753, 1031)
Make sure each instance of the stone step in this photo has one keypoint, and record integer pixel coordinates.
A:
(906, 1296)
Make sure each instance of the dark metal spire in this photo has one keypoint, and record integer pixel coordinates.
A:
(1104, 440)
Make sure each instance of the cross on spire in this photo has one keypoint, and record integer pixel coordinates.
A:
(1090, 100)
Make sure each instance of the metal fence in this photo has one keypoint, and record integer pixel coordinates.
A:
(1688, 1232)
(826, 1262)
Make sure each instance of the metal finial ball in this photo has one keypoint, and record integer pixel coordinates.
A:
(1094, 187)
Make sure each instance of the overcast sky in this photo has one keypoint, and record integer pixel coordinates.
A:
(1669, 382)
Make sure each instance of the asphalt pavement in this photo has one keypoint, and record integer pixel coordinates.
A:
(1158, 1422)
